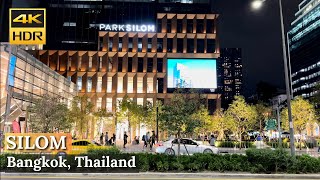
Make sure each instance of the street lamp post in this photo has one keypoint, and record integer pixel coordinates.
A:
(256, 5)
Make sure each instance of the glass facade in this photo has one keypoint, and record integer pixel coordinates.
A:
(304, 42)
(23, 79)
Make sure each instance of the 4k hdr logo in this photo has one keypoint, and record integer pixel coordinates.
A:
(27, 26)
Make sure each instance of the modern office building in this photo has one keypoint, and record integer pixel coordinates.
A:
(71, 23)
(117, 48)
(24, 79)
(304, 41)
(134, 62)
(230, 74)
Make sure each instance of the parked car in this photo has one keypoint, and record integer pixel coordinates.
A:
(83, 145)
(187, 146)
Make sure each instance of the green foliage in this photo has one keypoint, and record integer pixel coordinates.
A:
(303, 114)
(263, 113)
(81, 108)
(296, 144)
(184, 113)
(101, 152)
(48, 114)
(232, 144)
(255, 160)
(242, 116)
(267, 161)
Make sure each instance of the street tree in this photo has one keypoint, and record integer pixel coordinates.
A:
(220, 124)
(263, 113)
(201, 122)
(177, 116)
(242, 116)
(101, 115)
(303, 115)
(131, 111)
(48, 114)
(81, 108)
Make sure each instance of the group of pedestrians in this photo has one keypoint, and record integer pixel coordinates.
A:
(106, 140)
(149, 140)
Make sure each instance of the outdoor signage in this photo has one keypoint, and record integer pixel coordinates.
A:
(127, 27)
(27, 25)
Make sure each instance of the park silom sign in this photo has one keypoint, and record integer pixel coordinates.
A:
(127, 27)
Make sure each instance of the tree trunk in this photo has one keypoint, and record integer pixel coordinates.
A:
(300, 140)
(115, 128)
(179, 143)
(260, 127)
(240, 140)
(129, 129)
(139, 129)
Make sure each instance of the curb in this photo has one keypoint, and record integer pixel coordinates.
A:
(174, 175)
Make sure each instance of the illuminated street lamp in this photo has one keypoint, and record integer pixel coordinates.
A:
(257, 4)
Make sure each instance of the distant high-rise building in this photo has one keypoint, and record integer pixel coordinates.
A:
(230, 74)
(304, 41)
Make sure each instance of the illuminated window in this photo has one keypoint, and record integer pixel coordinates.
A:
(109, 104)
(79, 83)
(140, 101)
(99, 84)
(150, 85)
(120, 85)
(99, 102)
(109, 84)
(130, 85)
(140, 85)
(89, 84)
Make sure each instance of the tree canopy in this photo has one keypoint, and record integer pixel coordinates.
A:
(303, 113)
(48, 114)
(241, 115)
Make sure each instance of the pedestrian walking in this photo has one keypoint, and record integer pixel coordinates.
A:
(152, 140)
(144, 141)
(125, 139)
(212, 140)
(318, 146)
(106, 138)
(113, 139)
(101, 139)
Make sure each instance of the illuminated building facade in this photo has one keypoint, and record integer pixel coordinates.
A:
(24, 79)
(304, 41)
(230, 74)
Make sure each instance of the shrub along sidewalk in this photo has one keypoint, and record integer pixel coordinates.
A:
(255, 161)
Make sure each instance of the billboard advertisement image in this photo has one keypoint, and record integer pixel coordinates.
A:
(192, 73)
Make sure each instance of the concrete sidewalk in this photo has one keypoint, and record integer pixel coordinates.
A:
(227, 175)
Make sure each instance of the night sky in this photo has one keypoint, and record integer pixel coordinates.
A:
(258, 33)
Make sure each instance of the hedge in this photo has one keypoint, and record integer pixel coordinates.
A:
(296, 144)
(255, 161)
(232, 144)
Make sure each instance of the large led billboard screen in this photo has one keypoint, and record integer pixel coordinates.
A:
(192, 73)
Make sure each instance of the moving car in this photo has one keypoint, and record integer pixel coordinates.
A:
(187, 146)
